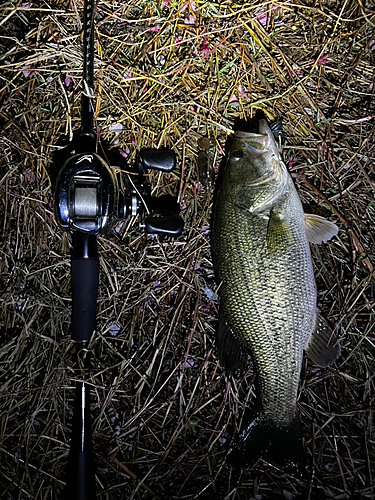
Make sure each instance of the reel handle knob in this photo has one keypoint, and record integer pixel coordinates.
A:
(170, 225)
(155, 159)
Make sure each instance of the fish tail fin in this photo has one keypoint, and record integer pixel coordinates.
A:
(281, 446)
(250, 444)
(287, 450)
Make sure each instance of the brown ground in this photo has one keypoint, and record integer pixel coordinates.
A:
(170, 73)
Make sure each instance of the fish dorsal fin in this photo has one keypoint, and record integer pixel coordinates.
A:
(279, 237)
(323, 348)
(229, 350)
(319, 229)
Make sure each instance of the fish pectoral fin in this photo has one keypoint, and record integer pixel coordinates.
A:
(319, 229)
(229, 350)
(323, 348)
(279, 236)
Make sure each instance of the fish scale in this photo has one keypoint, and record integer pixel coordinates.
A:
(258, 278)
(262, 261)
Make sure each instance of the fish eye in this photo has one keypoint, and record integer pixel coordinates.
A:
(238, 154)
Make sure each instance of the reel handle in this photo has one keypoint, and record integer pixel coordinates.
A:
(171, 225)
(163, 160)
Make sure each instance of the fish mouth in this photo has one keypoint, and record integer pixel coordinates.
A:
(275, 179)
(260, 143)
(255, 143)
(245, 135)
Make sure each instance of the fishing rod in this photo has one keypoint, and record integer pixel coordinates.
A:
(91, 193)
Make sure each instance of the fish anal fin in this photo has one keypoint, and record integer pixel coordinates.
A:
(323, 348)
(319, 229)
(279, 237)
(229, 350)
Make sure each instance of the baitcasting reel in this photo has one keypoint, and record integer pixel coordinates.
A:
(91, 196)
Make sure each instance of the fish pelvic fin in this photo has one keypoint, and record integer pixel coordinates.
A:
(261, 438)
(319, 229)
(229, 350)
(323, 348)
(279, 236)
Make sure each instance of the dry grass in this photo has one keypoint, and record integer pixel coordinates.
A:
(171, 72)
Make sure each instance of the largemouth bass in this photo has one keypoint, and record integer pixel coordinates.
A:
(267, 290)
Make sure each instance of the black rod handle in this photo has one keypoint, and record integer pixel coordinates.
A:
(85, 283)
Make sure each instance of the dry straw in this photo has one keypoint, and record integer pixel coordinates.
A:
(167, 74)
